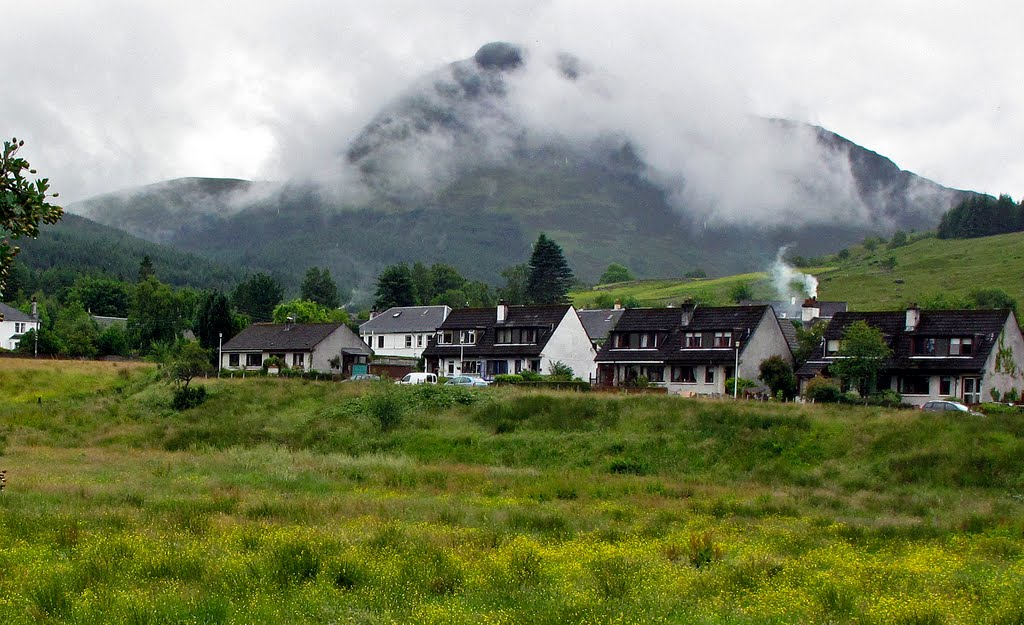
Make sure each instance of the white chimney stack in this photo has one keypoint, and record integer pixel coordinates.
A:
(502, 311)
(810, 310)
(913, 317)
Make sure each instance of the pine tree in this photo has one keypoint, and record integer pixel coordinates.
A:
(319, 287)
(550, 275)
(146, 269)
(257, 296)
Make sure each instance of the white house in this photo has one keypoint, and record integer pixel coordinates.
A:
(327, 347)
(13, 325)
(403, 330)
(510, 339)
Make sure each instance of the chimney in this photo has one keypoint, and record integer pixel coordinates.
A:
(502, 311)
(810, 310)
(373, 313)
(913, 317)
(618, 305)
(687, 315)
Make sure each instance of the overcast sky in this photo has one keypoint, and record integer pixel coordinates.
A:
(111, 94)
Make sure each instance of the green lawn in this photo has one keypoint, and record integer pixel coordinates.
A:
(283, 501)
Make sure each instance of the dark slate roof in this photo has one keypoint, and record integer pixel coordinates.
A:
(827, 310)
(793, 309)
(281, 336)
(599, 323)
(8, 313)
(789, 331)
(740, 320)
(407, 319)
(544, 318)
(984, 326)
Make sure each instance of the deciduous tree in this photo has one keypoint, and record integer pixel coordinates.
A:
(394, 287)
(23, 204)
(319, 287)
(863, 352)
(257, 296)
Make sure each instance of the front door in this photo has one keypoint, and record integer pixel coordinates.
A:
(972, 390)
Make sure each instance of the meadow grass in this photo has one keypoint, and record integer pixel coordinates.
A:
(285, 501)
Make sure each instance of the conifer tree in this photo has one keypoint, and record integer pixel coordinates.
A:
(550, 275)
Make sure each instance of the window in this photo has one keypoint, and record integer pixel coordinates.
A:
(832, 347)
(709, 375)
(253, 360)
(656, 374)
(451, 368)
(447, 337)
(19, 327)
(946, 386)
(467, 337)
(535, 365)
(408, 340)
(723, 339)
(693, 339)
(648, 340)
(298, 360)
(516, 336)
(419, 340)
(961, 347)
(470, 366)
(620, 341)
(232, 360)
(923, 346)
(497, 367)
(519, 366)
(686, 375)
(914, 385)
(380, 342)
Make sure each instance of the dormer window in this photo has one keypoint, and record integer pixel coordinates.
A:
(963, 346)
(723, 339)
(515, 336)
(924, 346)
(648, 340)
(447, 337)
(693, 340)
(467, 337)
(832, 347)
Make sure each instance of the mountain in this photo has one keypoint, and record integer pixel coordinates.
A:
(76, 245)
(465, 168)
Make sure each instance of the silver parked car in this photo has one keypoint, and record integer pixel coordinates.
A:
(945, 405)
(466, 380)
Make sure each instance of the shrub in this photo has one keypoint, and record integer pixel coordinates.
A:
(994, 392)
(186, 397)
(508, 378)
(887, 399)
(530, 376)
(274, 361)
(561, 371)
(824, 391)
(1011, 396)
(386, 405)
(741, 385)
(702, 549)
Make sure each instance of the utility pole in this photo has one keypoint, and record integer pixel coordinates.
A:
(736, 374)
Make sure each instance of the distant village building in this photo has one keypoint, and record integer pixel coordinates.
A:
(403, 331)
(964, 354)
(691, 350)
(599, 323)
(327, 347)
(13, 326)
(509, 339)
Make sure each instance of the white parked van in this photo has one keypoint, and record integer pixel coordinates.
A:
(419, 378)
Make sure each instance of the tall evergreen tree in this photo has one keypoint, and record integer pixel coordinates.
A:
(319, 287)
(257, 296)
(550, 275)
(146, 268)
(394, 287)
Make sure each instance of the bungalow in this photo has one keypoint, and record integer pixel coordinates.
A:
(317, 346)
(967, 354)
(13, 325)
(403, 330)
(691, 350)
(509, 339)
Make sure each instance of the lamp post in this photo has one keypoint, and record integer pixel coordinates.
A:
(736, 374)
(35, 335)
(220, 352)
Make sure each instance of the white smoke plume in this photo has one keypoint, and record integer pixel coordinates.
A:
(789, 282)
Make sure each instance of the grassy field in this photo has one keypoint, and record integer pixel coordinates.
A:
(867, 279)
(284, 501)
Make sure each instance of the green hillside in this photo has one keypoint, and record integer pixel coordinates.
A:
(283, 501)
(876, 279)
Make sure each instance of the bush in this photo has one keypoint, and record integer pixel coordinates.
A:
(186, 397)
(530, 376)
(887, 399)
(274, 361)
(386, 405)
(561, 371)
(508, 378)
(741, 385)
(823, 390)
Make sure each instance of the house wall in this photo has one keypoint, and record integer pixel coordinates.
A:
(331, 346)
(8, 329)
(452, 366)
(1006, 372)
(570, 344)
(700, 387)
(394, 343)
(766, 341)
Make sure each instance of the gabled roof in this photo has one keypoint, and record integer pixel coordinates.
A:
(407, 319)
(485, 321)
(281, 337)
(7, 313)
(599, 323)
(740, 320)
(984, 326)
